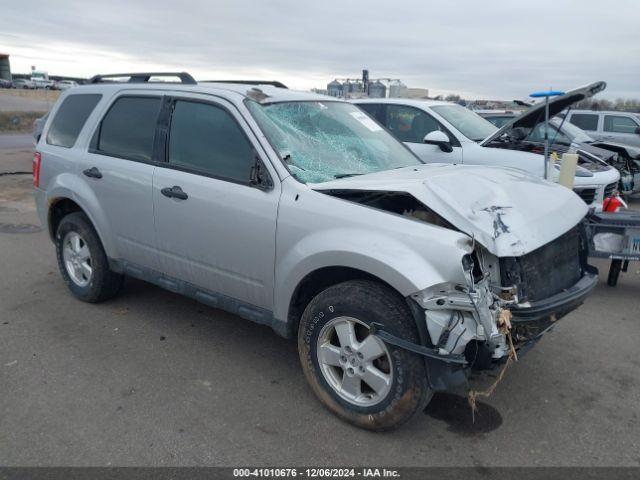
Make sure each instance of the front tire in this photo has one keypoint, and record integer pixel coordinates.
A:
(83, 262)
(356, 375)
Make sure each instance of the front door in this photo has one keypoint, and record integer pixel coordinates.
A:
(215, 230)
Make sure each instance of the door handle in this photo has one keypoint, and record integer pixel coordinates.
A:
(93, 172)
(174, 192)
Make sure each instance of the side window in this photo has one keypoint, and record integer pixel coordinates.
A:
(585, 121)
(376, 110)
(619, 124)
(409, 124)
(208, 139)
(70, 118)
(128, 128)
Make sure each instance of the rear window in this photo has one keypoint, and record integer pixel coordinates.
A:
(128, 128)
(585, 121)
(70, 118)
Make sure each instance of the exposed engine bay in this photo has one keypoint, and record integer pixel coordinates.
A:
(608, 155)
(629, 169)
(517, 139)
(400, 203)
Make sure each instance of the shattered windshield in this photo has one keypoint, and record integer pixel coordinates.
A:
(469, 123)
(322, 141)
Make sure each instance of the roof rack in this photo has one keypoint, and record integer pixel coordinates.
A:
(144, 77)
(273, 83)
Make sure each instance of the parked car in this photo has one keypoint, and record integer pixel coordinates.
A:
(66, 84)
(620, 127)
(298, 211)
(5, 83)
(565, 136)
(43, 83)
(449, 133)
(23, 83)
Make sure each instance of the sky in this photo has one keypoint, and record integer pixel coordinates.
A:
(490, 49)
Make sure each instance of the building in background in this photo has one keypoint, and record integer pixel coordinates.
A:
(367, 87)
(5, 67)
(373, 88)
(334, 89)
(377, 89)
(416, 93)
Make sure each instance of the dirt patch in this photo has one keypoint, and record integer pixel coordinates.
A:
(21, 122)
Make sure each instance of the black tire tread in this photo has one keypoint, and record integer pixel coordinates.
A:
(399, 321)
(105, 283)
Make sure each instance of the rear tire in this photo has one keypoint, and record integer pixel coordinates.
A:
(83, 262)
(361, 379)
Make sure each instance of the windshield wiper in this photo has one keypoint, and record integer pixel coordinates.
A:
(345, 175)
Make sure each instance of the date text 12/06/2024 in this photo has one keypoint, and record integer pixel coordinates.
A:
(316, 473)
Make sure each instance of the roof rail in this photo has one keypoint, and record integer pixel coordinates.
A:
(144, 77)
(273, 83)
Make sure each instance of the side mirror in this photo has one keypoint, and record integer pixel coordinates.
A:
(440, 139)
(638, 130)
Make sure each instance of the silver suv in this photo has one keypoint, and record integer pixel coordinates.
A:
(300, 212)
(621, 127)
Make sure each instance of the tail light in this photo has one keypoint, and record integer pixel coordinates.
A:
(37, 161)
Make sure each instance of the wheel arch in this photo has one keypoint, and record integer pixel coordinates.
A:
(58, 209)
(61, 206)
(318, 280)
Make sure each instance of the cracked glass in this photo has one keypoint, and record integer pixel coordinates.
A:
(323, 141)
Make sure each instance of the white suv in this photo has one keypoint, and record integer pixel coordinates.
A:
(443, 132)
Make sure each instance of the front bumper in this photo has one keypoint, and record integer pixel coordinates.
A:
(449, 360)
(559, 304)
(531, 320)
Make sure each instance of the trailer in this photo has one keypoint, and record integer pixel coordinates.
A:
(615, 236)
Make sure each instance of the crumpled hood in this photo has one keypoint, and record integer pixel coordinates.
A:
(509, 212)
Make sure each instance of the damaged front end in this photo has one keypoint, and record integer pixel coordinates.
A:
(506, 305)
(526, 266)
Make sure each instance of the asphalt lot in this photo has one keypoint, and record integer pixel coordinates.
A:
(14, 144)
(152, 378)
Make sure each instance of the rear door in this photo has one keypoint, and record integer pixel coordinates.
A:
(118, 169)
(410, 125)
(215, 230)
